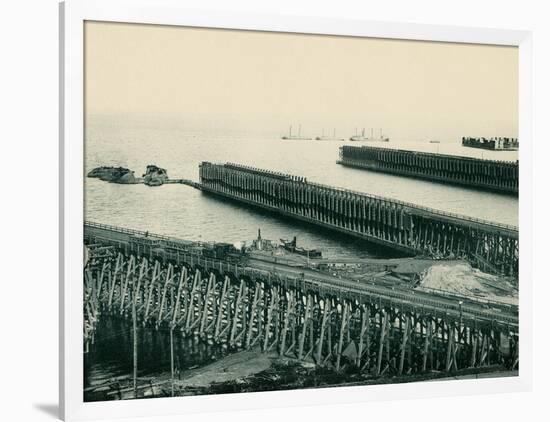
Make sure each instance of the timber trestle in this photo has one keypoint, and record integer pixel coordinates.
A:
(231, 305)
(499, 176)
(404, 227)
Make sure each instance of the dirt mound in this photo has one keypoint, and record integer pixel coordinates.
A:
(460, 278)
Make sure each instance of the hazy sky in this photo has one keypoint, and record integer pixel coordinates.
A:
(255, 79)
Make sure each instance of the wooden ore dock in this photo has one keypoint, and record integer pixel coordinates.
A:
(404, 227)
(157, 281)
(498, 176)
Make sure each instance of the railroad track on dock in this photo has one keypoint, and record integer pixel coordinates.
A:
(453, 306)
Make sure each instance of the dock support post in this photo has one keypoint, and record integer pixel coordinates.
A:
(341, 337)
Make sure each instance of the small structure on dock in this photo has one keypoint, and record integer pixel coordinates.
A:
(261, 244)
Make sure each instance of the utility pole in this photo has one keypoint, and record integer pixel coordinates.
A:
(134, 330)
(172, 356)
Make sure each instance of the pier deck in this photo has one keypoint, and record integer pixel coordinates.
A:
(179, 250)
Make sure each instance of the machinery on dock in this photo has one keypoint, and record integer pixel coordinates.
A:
(223, 251)
(290, 245)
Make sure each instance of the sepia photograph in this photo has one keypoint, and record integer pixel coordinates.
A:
(279, 211)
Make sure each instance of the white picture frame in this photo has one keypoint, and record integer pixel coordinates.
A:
(73, 14)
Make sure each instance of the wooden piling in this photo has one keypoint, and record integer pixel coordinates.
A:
(500, 176)
(405, 227)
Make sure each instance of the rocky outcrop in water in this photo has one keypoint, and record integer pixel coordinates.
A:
(155, 176)
(114, 175)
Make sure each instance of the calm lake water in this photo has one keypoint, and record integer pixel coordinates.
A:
(111, 356)
(184, 212)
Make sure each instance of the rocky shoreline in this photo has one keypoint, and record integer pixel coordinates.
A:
(252, 371)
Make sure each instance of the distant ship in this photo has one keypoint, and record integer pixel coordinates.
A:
(290, 136)
(371, 138)
(328, 138)
(493, 144)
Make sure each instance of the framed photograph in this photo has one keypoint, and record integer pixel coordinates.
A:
(266, 210)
